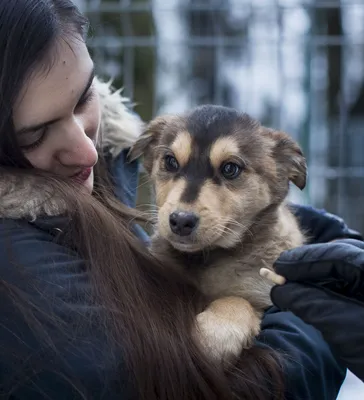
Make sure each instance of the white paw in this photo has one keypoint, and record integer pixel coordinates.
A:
(223, 339)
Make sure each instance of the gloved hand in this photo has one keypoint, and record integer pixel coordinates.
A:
(325, 287)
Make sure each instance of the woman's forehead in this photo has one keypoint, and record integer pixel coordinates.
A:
(49, 93)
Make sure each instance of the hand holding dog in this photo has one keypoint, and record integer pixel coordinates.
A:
(325, 287)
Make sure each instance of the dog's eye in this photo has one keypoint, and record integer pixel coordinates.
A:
(230, 170)
(171, 163)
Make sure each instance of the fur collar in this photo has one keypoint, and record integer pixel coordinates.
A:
(25, 196)
(120, 127)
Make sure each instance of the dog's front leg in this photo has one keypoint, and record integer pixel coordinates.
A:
(227, 326)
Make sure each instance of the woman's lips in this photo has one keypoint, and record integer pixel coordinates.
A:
(83, 175)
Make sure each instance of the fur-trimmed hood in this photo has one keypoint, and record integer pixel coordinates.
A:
(120, 127)
(24, 197)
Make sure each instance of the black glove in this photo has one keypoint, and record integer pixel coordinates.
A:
(325, 288)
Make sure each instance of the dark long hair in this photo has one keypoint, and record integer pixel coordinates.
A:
(149, 309)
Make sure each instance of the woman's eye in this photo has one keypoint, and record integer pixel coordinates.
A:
(230, 170)
(31, 140)
(87, 98)
(171, 163)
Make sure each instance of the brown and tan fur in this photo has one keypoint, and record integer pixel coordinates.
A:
(244, 223)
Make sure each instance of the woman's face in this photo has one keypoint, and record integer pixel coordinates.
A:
(57, 115)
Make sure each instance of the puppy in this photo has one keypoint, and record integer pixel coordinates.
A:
(220, 180)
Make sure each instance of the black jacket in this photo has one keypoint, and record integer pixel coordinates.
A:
(28, 251)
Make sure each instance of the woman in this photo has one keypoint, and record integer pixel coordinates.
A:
(85, 312)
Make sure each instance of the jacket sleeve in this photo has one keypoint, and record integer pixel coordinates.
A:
(331, 276)
(321, 226)
(51, 360)
(310, 369)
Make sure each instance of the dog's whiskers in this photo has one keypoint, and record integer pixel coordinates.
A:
(225, 231)
(234, 223)
(149, 214)
(150, 206)
(147, 182)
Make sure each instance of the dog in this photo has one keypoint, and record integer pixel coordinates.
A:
(221, 180)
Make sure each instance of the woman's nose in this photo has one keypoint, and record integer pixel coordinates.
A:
(77, 149)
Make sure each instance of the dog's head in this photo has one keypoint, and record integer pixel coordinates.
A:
(214, 170)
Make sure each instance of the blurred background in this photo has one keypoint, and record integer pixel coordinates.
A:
(296, 65)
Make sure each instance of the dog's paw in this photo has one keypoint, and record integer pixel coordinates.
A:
(224, 339)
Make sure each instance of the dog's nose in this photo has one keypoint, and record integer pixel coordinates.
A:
(183, 223)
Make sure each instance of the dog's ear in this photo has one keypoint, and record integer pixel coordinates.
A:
(290, 157)
(145, 141)
(148, 139)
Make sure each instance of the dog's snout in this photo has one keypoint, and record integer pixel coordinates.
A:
(183, 223)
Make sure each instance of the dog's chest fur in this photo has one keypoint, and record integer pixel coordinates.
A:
(235, 271)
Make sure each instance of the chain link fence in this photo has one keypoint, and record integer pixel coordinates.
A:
(296, 65)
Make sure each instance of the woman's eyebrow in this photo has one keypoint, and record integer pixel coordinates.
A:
(37, 127)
